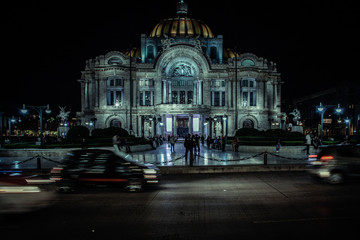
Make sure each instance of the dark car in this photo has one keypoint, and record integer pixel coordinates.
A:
(105, 168)
(335, 163)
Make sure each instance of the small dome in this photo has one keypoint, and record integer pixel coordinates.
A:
(134, 52)
(230, 53)
(181, 27)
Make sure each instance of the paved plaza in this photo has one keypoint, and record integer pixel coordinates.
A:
(163, 156)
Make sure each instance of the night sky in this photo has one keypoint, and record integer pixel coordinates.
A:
(45, 46)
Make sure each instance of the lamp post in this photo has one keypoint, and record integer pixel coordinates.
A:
(10, 121)
(39, 110)
(322, 109)
(1, 129)
(348, 121)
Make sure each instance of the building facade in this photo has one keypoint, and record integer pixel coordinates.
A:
(181, 80)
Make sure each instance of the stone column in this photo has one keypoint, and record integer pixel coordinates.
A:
(164, 90)
(190, 123)
(174, 125)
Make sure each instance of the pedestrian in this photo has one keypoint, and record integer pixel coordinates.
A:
(172, 141)
(116, 142)
(278, 145)
(235, 144)
(202, 139)
(197, 143)
(208, 141)
(307, 143)
(126, 145)
(189, 144)
(316, 143)
(84, 145)
(223, 143)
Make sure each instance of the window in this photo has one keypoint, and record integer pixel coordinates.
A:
(189, 97)
(174, 97)
(247, 63)
(217, 98)
(182, 97)
(114, 61)
(213, 54)
(146, 98)
(248, 92)
(150, 52)
(115, 91)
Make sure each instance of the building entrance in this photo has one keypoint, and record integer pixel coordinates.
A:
(182, 126)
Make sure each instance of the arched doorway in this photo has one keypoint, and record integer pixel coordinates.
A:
(115, 123)
(248, 123)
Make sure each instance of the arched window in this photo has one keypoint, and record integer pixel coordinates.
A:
(213, 54)
(150, 52)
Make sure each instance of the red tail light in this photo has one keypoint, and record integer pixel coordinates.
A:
(326, 158)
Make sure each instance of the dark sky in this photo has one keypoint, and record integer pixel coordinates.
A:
(314, 43)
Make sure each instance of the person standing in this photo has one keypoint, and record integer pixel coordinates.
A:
(84, 145)
(188, 144)
(172, 141)
(116, 141)
(197, 143)
(307, 142)
(278, 145)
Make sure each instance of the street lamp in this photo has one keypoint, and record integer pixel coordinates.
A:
(39, 110)
(348, 121)
(10, 121)
(322, 109)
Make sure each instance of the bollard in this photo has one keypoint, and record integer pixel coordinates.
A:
(265, 158)
(38, 163)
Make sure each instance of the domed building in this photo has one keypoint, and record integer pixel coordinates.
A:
(181, 80)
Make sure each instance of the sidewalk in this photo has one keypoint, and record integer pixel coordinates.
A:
(163, 157)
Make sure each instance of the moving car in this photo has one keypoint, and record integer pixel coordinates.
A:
(335, 163)
(96, 167)
(18, 195)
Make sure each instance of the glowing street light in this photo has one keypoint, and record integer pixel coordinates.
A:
(39, 110)
(322, 109)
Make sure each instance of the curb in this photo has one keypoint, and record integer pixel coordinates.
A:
(173, 170)
(230, 169)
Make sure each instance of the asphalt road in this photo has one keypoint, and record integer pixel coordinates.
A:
(281, 205)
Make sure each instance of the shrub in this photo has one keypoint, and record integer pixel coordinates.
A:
(109, 132)
(77, 132)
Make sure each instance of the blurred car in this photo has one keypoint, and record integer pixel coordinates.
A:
(17, 195)
(335, 163)
(96, 167)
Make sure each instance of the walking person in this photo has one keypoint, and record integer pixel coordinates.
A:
(307, 143)
(278, 145)
(197, 143)
(172, 141)
(188, 144)
(84, 144)
(116, 142)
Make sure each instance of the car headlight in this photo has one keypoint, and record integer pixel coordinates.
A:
(149, 171)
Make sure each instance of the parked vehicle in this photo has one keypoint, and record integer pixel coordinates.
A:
(335, 163)
(94, 167)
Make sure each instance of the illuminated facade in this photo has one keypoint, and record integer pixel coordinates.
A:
(181, 80)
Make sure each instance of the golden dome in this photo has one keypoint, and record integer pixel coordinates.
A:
(134, 52)
(230, 53)
(181, 27)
